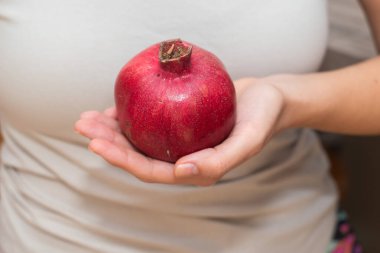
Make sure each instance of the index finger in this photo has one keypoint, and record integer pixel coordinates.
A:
(146, 169)
(111, 112)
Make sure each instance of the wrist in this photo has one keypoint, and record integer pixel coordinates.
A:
(305, 102)
(341, 101)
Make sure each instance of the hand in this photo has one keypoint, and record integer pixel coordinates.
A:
(259, 107)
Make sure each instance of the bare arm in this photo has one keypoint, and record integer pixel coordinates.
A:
(345, 100)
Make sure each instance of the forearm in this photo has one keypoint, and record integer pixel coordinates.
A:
(344, 101)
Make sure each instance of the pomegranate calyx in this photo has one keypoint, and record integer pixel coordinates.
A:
(174, 55)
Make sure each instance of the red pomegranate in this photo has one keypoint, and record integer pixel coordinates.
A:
(175, 98)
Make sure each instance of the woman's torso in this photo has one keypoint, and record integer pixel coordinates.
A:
(59, 58)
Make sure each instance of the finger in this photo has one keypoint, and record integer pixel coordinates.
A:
(144, 168)
(111, 112)
(89, 114)
(102, 118)
(92, 129)
(213, 163)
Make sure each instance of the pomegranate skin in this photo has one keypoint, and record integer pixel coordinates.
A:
(168, 110)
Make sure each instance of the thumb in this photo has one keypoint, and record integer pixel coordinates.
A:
(207, 166)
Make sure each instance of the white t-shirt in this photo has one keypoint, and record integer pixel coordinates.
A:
(60, 58)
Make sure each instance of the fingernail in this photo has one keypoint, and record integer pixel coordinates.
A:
(186, 170)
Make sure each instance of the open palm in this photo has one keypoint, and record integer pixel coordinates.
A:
(259, 106)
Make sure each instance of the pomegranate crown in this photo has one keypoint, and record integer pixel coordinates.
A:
(174, 55)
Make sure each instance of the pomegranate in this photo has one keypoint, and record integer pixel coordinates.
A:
(174, 98)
